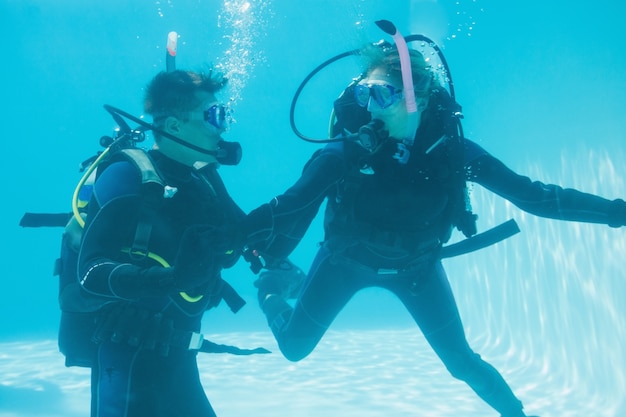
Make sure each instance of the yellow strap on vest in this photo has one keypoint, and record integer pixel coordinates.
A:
(165, 264)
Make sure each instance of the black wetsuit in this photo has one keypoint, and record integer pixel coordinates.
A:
(130, 378)
(386, 232)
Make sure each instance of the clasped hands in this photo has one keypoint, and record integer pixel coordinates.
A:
(204, 250)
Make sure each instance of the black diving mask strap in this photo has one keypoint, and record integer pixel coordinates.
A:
(228, 153)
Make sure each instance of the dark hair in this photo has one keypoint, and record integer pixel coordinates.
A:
(174, 93)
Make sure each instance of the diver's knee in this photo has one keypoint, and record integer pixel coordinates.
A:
(462, 365)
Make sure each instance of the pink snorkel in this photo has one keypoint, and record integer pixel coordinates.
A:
(407, 81)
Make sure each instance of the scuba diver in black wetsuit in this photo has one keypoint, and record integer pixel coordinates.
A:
(153, 246)
(395, 189)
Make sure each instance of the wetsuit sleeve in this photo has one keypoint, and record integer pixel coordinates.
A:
(278, 226)
(103, 268)
(535, 197)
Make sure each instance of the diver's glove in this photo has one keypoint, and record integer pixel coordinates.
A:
(126, 323)
(466, 223)
(283, 278)
(617, 213)
(196, 259)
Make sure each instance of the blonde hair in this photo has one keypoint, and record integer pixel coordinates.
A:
(387, 58)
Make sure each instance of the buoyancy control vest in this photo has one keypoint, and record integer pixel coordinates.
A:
(384, 203)
(81, 312)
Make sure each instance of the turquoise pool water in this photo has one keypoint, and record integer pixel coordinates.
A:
(542, 88)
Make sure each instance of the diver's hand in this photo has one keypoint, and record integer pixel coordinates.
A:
(283, 278)
(195, 262)
(128, 323)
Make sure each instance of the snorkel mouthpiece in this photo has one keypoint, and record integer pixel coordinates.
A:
(407, 81)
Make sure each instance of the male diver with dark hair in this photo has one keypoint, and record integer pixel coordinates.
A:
(153, 247)
(395, 189)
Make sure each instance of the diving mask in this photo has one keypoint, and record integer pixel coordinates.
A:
(385, 95)
(216, 116)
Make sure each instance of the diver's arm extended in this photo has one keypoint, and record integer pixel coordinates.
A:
(545, 200)
(281, 223)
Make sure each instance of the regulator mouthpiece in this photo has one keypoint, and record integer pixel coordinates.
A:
(228, 153)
